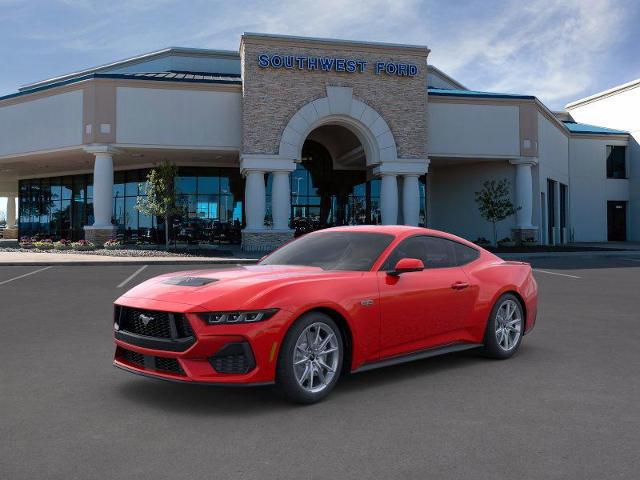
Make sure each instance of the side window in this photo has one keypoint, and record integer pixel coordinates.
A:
(464, 254)
(434, 252)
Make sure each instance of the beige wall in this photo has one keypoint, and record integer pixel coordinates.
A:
(172, 117)
(272, 96)
(452, 198)
(45, 123)
(473, 129)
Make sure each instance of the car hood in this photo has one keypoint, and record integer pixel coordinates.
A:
(242, 287)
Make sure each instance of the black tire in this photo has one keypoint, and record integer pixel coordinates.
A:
(493, 348)
(286, 381)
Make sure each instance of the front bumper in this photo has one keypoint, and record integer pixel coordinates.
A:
(240, 354)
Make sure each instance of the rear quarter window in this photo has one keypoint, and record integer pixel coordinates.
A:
(465, 254)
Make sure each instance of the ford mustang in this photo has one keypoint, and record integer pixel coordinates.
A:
(335, 301)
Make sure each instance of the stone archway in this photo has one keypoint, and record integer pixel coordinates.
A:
(339, 107)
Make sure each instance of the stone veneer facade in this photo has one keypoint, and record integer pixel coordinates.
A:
(271, 96)
(391, 107)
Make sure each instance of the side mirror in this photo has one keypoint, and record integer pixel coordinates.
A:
(405, 265)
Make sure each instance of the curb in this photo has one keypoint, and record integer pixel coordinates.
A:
(89, 263)
(534, 255)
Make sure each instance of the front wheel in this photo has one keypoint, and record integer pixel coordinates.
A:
(310, 358)
(504, 328)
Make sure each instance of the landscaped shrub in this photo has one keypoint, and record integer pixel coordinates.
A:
(112, 244)
(506, 242)
(83, 245)
(62, 245)
(26, 242)
(482, 241)
(43, 244)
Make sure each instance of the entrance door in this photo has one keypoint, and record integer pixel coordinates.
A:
(617, 221)
(551, 211)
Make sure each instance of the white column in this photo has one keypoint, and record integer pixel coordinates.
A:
(524, 194)
(411, 200)
(280, 200)
(255, 199)
(103, 190)
(11, 212)
(389, 199)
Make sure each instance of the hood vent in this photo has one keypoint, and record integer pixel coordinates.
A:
(189, 281)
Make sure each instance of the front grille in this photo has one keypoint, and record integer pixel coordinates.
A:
(153, 323)
(148, 323)
(150, 362)
(183, 329)
(153, 329)
(233, 358)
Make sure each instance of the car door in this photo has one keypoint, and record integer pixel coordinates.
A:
(426, 308)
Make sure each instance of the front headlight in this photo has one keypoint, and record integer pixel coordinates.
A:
(240, 316)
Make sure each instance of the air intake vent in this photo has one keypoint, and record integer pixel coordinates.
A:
(189, 281)
(233, 358)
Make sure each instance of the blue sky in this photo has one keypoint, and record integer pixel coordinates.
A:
(556, 50)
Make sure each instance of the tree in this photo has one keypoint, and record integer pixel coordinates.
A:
(494, 203)
(161, 200)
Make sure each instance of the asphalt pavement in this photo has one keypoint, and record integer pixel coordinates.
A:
(565, 407)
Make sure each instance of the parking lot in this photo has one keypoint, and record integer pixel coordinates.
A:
(566, 406)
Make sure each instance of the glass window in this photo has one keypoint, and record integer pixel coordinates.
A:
(131, 214)
(616, 165)
(356, 251)
(464, 254)
(186, 184)
(118, 184)
(435, 252)
(208, 185)
(67, 190)
(131, 185)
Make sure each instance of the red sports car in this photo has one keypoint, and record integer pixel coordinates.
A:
(340, 300)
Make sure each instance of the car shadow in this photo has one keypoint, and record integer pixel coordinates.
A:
(203, 400)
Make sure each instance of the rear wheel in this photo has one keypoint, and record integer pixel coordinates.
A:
(504, 328)
(310, 358)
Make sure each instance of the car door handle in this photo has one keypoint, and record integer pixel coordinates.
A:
(459, 285)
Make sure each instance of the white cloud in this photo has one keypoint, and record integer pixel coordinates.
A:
(547, 48)
(552, 49)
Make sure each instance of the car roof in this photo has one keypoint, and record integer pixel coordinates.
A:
(396, 230)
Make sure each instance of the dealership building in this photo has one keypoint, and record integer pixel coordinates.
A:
(293, 134)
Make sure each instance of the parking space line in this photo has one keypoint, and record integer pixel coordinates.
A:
(132, 276)
(25, 275)
(632, 259)
(556, 273)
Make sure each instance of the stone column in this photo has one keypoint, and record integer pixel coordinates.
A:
(524, 198)
(255, 199)
(102, 228)
(389, 199)
(256, 237)
(411, 200)
(280, 200)
(11, 232)
(11, 212)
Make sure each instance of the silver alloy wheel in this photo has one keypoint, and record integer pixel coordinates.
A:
(316, 357)
(508, 325)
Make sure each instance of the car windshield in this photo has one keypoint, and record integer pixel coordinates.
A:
(356, 251)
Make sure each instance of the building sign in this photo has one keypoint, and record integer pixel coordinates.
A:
(334, 64)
